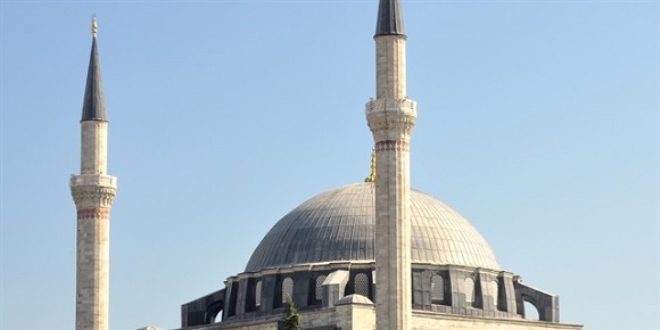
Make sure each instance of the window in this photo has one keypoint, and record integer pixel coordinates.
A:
(437, 289)
(468, 288)
(257, 294)
(362, 284)
(287, 289)
(493, 290)
(319, 287)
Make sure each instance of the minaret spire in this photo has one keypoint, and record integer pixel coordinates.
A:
(390, 18)
(94, 103)
(93, 192)
(391, 117)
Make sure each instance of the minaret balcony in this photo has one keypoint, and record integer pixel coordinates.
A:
(405, 107)
(391, 119)
(99, 180)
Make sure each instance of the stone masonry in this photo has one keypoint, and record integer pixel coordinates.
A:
(93, 192)
(391, 117)
(424, 265)
(93, 195)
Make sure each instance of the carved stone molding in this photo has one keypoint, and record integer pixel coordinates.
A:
(392, 145)
(93, 196)
(391, 119)
(94, 213)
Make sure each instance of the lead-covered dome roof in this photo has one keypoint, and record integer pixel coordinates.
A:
(338, 225)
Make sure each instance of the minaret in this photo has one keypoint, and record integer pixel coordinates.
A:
(93, 191)
(391, 117)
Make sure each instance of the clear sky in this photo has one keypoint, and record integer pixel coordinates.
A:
(538, 121)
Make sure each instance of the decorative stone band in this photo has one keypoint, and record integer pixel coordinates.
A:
(392, 145)
(391, 119)
(87, 197)
(93, 213)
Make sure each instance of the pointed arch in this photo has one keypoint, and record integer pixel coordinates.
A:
(468, 289)
(493, 291)
(437, 289)
(257, 295)
(362, 284)
(318, 294)
(287, 289)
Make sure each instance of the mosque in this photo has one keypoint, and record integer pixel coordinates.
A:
(371, 255)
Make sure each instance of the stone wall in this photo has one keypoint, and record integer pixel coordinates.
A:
(363, 317)
(432, 321)
(443, 289)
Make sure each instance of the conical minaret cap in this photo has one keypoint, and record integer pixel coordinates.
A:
(94, 104)
(390, 18)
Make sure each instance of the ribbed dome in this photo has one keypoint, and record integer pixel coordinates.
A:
(338, 225)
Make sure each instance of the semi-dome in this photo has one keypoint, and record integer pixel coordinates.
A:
(338, 225)
(354, 299)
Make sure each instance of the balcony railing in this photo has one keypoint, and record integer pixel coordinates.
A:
(93, 179)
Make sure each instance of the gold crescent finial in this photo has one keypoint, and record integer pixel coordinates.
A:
(95, 26)
(372, 176)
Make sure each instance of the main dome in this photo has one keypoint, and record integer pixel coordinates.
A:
(338, 225)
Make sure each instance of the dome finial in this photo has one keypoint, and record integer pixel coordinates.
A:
(95, 26)
(372, 176)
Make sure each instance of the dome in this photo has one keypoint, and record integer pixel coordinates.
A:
(338, 225)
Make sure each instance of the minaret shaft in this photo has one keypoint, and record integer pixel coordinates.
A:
(92, 280)
(94, 147)
(391, 67)
(93, 192)
(391, 117)
(393, 272)
(391, 122)
(93, 195)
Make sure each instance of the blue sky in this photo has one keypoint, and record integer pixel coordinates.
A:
(538, 121)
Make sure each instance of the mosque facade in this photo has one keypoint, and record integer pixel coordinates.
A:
(370, 255)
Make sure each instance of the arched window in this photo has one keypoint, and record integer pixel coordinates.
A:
(493, 290)
(437, 289)
(319, 287)
(257, 294)
(287, 289)
(362, 284)
(468, 288)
